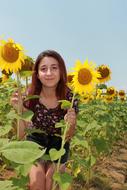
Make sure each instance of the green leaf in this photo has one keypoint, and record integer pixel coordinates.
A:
(60, 124)
(22, 152)
(4, 130)
(45, 157)
(21, 183)
(90, 161)
(27, 116)
(31, 97)
(101, 144)
(79, 141)
(26, 73)
(65, 104)
(23, 170)
(34, 130)
(93, 125)
(6, 185)
(11, 115)
(56, 154)
(3, 141)
(64, 180)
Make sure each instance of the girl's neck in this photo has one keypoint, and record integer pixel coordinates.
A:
(48, 92)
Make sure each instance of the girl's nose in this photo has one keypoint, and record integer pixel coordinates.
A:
(49, 71)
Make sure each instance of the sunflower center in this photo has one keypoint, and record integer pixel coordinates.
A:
(110, 91)
(84, 76)
(69, 78)
(122, 93)
(9, 53)
(104, 72)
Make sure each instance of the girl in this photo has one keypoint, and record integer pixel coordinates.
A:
(49, 82)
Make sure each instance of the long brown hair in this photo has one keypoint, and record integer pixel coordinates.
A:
(36, 84)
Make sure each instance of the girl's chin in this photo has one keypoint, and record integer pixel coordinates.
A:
(50, 86)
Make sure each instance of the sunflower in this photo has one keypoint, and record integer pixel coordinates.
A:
(122, 93)
(27, 64)
(7, 74)
(11, 56)
(85, 98)
(84, 77)
(111, 91)
(4, 78)
(109, 99)
(123, 98)
(69, 79)
(99, 94)
(105, 73)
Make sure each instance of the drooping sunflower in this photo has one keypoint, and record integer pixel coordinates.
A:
(69, 79)
(11, 56)
(27, 64)
(105, 73)
(84, 77)
(27, 67)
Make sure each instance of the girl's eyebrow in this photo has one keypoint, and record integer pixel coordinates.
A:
(54, 64)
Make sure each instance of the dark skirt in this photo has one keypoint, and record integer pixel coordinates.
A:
(48, 142)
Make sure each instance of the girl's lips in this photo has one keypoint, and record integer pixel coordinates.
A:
(50, 79)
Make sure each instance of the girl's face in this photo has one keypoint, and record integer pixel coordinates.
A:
(49, 72)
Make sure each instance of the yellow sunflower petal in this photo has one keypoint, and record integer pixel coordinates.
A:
(11, 57)
(85, 78)
(105, 73)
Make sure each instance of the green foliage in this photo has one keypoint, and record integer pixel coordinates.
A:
(22, 152)
(56, 154)
(7, 185)
(64, 180)
(99, 126)
(65, 104)
(26, 116)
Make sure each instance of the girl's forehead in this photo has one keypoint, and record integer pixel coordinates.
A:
(48, 61)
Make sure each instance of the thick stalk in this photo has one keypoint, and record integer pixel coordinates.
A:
(64, 135)
(63, 141)
(19, 104)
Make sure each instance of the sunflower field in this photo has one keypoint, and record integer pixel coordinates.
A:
(101, 126)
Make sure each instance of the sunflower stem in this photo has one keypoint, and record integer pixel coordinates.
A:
(63, 142)
(26, 82)
(19, 104)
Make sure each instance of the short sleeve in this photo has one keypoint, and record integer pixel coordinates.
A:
(30, 104)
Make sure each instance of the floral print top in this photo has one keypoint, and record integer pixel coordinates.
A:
(45, 119)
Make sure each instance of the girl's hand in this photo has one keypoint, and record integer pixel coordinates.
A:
(70, 118)
(15, 99)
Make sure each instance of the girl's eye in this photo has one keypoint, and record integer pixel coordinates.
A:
(43, 69)
(54, 68)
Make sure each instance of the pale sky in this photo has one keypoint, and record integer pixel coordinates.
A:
(77, 29)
